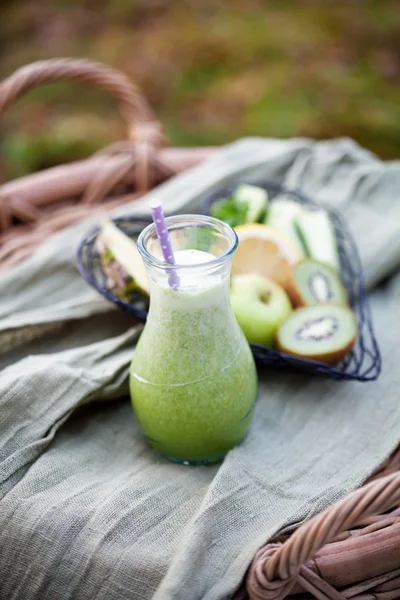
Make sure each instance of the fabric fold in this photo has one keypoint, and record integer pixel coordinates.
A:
(88, 510)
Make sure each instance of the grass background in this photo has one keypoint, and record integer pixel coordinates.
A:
(213, 72)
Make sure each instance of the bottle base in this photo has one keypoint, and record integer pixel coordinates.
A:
(201, 453)
(196, 463)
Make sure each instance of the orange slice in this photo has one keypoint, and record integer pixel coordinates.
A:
(265, 251)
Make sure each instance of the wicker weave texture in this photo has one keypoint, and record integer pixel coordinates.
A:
(34, 207)
(351, 550)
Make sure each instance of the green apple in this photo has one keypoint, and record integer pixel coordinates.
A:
(260, 305)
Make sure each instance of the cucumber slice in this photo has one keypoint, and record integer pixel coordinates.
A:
(256, 200)
(316, 231)
(282, 215)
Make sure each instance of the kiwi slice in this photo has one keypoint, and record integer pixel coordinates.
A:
(313, 282)
(323, 332)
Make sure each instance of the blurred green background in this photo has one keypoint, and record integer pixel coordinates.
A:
(213, 71)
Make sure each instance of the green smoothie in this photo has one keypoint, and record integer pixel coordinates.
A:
(193, 381)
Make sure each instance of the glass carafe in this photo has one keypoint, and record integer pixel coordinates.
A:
(193, 381)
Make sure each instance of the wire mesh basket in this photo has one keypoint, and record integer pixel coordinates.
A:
(363, 363)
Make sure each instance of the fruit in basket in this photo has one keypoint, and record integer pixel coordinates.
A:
(247, 204)
(282, 215)
(313, 282)
(259, 305)
(121, 262)
(323, 332)
(317, 234)
(264, 251)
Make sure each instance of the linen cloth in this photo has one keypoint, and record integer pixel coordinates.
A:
(87, 509)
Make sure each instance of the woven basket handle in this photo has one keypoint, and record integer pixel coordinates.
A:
(142, 125)
(276, 568)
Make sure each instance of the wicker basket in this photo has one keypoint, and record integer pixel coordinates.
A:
(352, 550)
(35, 206)
(363, 363)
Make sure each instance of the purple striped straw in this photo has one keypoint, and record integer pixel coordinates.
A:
(165, 242)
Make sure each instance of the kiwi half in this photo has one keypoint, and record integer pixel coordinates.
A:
(313, 282)
(323, 332)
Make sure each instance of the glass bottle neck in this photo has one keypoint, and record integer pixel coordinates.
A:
(203, 249)
(198, 289)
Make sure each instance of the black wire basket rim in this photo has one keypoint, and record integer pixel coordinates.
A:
(91, 271)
